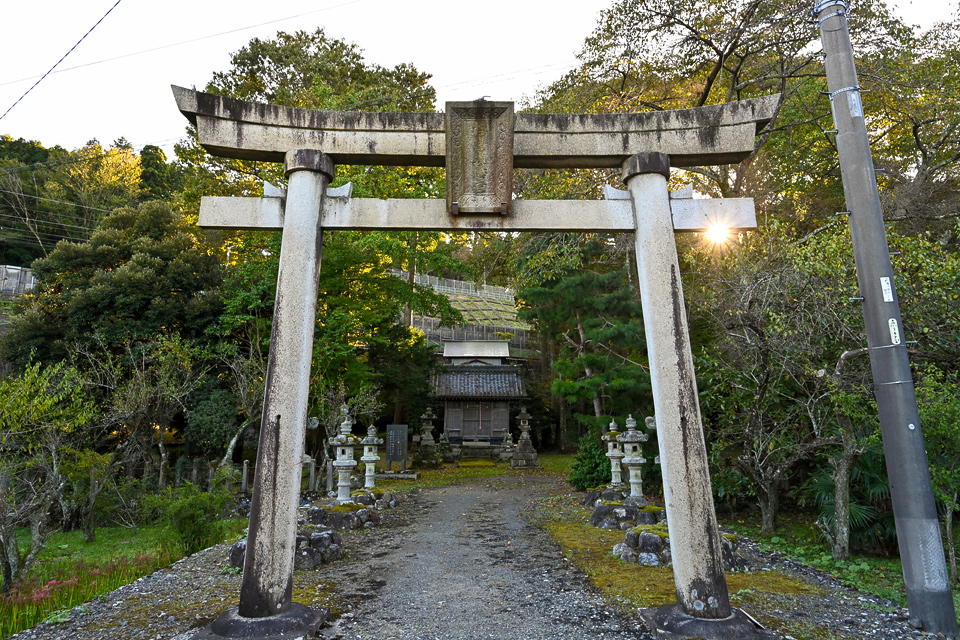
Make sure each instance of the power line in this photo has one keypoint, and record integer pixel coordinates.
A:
(44, 221)
(43, 233)
(60, 60)
(30, 195)
(183, 42)
(66, 216)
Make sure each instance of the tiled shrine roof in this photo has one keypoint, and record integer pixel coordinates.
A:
(490, 382)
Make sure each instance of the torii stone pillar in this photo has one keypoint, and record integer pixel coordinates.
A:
(691, 518)
(267, 583)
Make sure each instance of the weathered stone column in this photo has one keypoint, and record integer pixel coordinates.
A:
(344, 464)
(692, 521)
(614, 453)
(370, 457)
(268, 566)
(632, 456)
(524, 456)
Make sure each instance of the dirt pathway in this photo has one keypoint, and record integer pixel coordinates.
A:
(470, 566)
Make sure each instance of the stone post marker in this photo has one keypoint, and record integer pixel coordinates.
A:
(632, 456)
(370, 457)
(426, 455)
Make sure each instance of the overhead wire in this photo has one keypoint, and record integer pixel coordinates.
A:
(58, 214)
(73, 204)
(49, 71)
(192, 40)
(31, 233)
(45, 221)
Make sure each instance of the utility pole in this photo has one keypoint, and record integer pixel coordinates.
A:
(915, 512)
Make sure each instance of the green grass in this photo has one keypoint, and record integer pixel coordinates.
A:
(70, 572)
(472, 470)
(557, 463)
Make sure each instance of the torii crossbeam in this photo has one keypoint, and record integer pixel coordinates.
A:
(480, 143)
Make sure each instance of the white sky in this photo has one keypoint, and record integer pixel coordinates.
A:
(504, 49)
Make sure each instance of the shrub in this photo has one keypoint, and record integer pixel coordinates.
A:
(591, 467)
(192, 516)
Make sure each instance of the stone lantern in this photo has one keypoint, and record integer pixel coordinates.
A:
(614, 453)
(426, 455)
(632, 456)
(344, 443)
(370, 457)
(525, 456)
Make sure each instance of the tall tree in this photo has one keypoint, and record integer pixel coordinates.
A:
(156, 176)
(142, 274)
(593, 314)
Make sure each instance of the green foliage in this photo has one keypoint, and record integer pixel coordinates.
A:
(211, 418)
(157, 178)
(142, 274)
(192, 517)
(591, 467)
(593, 316)
(23, 151)
(41, 401)
(871, 520)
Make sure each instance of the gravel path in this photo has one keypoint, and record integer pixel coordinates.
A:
(460, 562)
(475, 569)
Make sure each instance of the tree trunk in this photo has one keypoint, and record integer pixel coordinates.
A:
(228, 456)
(9, 552)
(164, 463)
(597, 400)
(563, 426)
(89, 524)
(769, 500)
(407, 312)
(842, 470)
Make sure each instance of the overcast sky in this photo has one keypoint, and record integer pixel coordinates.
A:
(117, 81)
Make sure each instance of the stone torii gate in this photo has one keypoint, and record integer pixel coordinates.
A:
(479, 143)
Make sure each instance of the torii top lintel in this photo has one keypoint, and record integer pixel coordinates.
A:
(717, 134)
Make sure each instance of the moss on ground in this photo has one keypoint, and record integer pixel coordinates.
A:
(478, 462)
(659, 529)
(345, 508)
(316, 594)
(590, 549)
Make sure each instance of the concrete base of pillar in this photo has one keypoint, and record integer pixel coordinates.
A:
(671, 623)
(297, 623)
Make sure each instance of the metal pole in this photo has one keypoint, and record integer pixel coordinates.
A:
(915, 512)
(268, 565)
